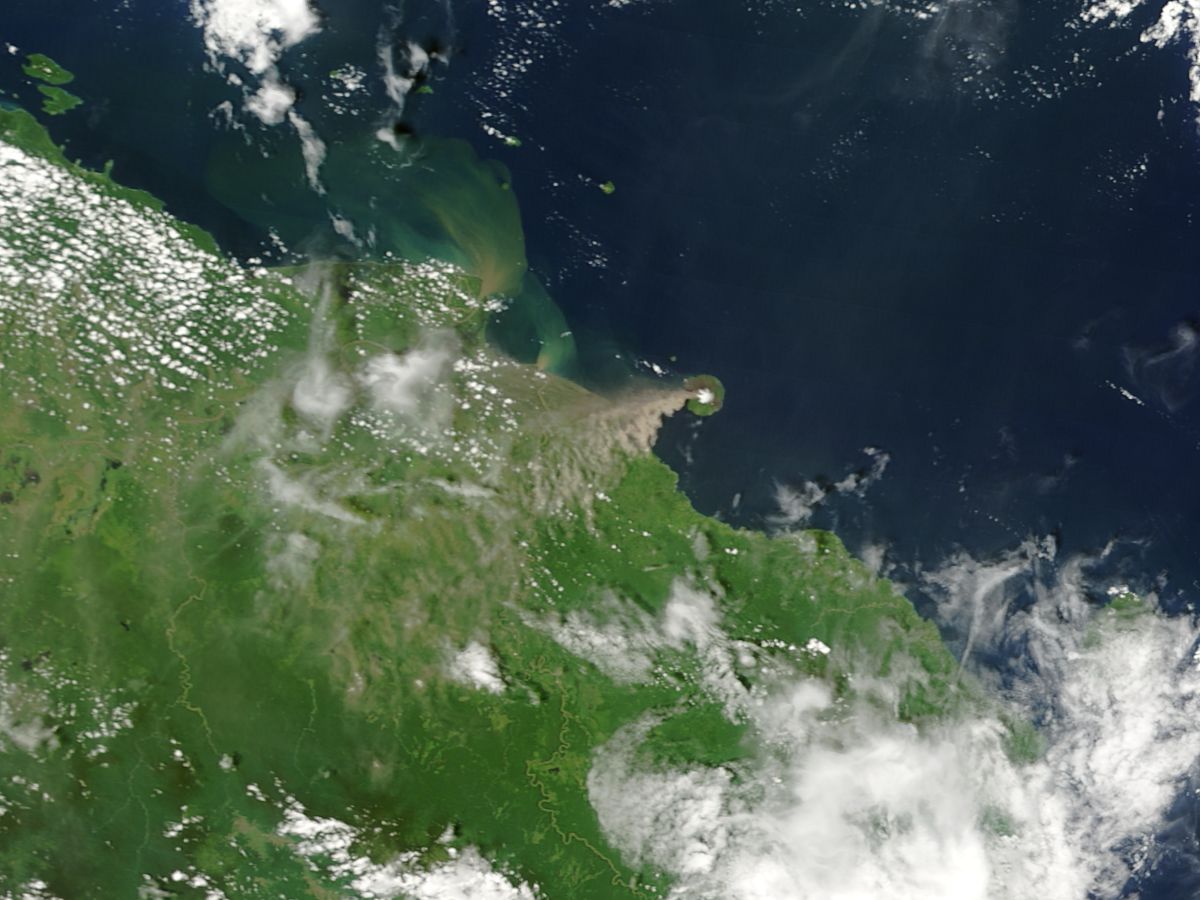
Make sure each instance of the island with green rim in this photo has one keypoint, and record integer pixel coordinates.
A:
(42, 68)
(56, 100)
(706, 394)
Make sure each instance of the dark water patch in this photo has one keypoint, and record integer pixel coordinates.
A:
(413, 197)
(870, 254)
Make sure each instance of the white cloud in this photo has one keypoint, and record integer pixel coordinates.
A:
(329, 844)
(1110, 9)
(861, 809)
(256, 33)
(272, 101)
(413, 391)
(618, 638)
(321, 394)
(312, 148)
(673, 820)
(797, 504)
(858, 482)
(844, 806)
(301, 493)
(468, 876)
(399, 384)
(345, 227)
(253, 32)
(817, 647)
(398, 80)
(1122, 694)
(177, 303)
(840, 801)
(1178, 22)
(291, 559)
(874, 556)
(690, 617)
(22, 719)
(624, 642)
(475, 666)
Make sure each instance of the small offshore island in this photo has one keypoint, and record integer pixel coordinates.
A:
(56, 99)
(708, 394)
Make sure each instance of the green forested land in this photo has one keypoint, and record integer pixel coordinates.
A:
(214, 610)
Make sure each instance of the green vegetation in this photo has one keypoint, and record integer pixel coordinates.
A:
(608, 187)
(253, 562)
(42, 68)
(57, 101)
(1022, 742)
(708, 394)
(1125, 604)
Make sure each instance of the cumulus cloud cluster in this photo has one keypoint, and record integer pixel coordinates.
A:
(255, 34)
(797, 504)
(841, 801)
(856, 809)
(626, 643)
(402, 398)
(408, 385)
(1118, 695)
(399, 395)
(1178, 22)
(321, 394)
(329, 844)
(476, 667)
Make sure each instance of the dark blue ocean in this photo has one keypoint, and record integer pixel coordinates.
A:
(966, 240)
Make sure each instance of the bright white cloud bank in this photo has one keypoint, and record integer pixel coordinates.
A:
(256, 34)
(253, 32)
(1178, 22)
(330, 844)
(842, 803)
(474, 665)
(849, 807)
